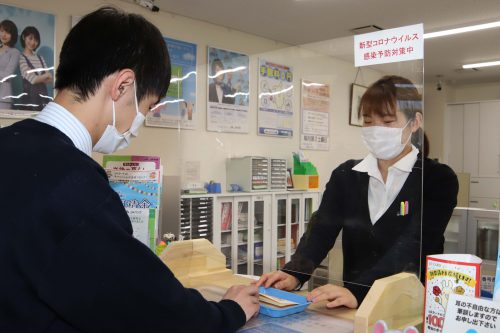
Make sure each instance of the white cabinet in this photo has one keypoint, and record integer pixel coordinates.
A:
(454, 133)
(290, 217)
(472, 138)
(259, 232)
(472, 145)
(242, 231)
(489, 139)
(484, 192)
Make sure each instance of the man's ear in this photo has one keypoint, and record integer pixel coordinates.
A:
(124, 80)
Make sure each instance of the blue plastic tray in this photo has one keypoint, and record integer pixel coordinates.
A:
(276, 312)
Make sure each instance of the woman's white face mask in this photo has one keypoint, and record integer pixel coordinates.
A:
(112, 140)
(385, 143)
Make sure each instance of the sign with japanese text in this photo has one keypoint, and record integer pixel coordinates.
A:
(471, 315)
(447, 275)
(391, 45)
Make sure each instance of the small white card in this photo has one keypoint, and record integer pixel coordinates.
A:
(471, 315)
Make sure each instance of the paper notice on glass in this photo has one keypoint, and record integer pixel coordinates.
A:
(472, 315)
(496, 293)
(389, 45)
(315, 111)
(448, 274)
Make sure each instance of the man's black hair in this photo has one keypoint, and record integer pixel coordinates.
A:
(11, 28)
(30, 31)
(106, 41)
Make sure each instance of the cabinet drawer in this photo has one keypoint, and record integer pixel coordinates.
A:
(485, 187)
(485, 203)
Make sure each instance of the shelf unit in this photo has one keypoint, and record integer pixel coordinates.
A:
(259, 231)
(196, 217)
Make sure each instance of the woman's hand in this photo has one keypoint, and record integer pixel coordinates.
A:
(278, 280)
(335, 295)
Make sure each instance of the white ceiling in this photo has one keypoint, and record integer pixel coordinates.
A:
(299, 22)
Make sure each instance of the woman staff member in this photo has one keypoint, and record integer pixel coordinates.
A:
(9, 60)
(376, 203)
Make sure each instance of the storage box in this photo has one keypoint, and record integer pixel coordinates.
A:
(305, 182)
(255, 173)
(251, 173)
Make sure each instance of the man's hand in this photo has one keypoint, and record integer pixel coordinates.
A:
(278, 280)
(247, 298)
(335, 295)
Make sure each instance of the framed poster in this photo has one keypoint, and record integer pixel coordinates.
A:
(178, 108)
(275, 114)
(26, 61)
(357, 92)
(227, 91)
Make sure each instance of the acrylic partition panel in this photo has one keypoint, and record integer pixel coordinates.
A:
(253, 111)
(472, 149)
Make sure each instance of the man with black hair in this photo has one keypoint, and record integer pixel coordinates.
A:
(69, 262)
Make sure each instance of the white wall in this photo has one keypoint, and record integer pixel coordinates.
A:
(434, 107)
(212, 148)
(475, 92)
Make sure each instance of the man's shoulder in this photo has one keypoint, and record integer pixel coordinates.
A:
(37, 146)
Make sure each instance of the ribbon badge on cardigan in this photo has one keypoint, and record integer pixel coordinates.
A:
(404, 208)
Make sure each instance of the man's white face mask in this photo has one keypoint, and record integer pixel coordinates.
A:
(384, 142)
(112, 140)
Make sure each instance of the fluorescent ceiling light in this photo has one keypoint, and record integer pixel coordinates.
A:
(462, 30)
(482, 64)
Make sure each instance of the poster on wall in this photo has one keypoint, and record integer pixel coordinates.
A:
(315, 114)
(275, 116)
(178, 108)
(26, 61)
(227, 91)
